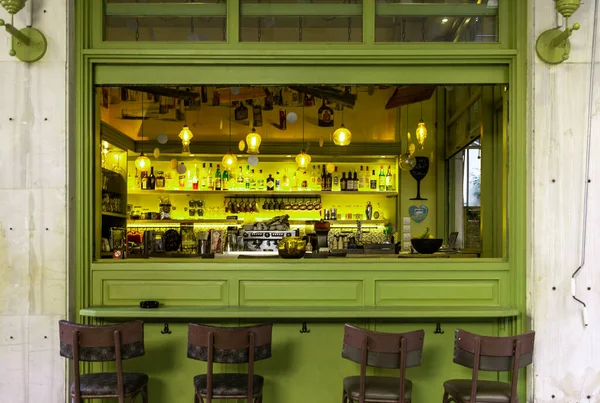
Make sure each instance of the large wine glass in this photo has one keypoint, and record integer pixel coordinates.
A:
(419, 172)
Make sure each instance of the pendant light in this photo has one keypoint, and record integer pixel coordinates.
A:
(229, 160)
(185, 135)
(253, 140)
(303, 159)
(142, 162)
(407, 160)
(421, 132)
(342, 136)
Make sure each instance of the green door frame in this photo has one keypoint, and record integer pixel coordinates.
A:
(100, 62)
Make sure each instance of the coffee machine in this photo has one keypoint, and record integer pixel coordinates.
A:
(264, 241)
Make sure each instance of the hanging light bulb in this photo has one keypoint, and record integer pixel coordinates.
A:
(142, 162)
(407, 160)
(186, 136)
(303, 159)
(229, 160)
(342, 136)
(421, 133)
(253, 140)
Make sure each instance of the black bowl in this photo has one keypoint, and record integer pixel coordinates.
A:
(427, 246)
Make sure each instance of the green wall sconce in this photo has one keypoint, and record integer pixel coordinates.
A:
(553, 46)
(28, 44)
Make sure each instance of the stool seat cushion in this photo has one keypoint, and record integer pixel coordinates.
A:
(229, 384)
(377, 388)
(105, 383)
(487, 391)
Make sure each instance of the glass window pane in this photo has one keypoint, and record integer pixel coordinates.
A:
(293, 21)
(165, 21)
(437, 21)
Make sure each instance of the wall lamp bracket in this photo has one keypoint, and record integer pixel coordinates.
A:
(28, 44)
(553, 46)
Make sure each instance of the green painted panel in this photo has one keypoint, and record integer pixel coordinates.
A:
(436, 292)
(297, 10)
(172, 292)
(300, 293)
(278, 74)
(166, 9)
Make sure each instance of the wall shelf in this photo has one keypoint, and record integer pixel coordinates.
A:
(258, 193)
(117, 215)
(334, 224)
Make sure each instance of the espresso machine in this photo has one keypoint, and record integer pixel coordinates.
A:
(264, 241)
(322, 230)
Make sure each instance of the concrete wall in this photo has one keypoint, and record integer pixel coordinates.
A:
(33, 211)
(567, 357)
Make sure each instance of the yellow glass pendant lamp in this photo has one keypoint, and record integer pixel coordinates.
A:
(303, 159)
(229, 160)
(186, 136)
(253, 140)
(421, 132)
(142, 162)
(342, 136)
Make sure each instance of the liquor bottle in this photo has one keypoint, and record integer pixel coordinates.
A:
(325, 116)
(328, 181)
(257, 115)
(294, 182)
(160, 180)
(373, 181)
(241, 112)
(188, 180)
(381, 179)
(195, 178)
(277, 181)
(151, 180)
(324, 179)
(305, 179)
(268, 100)
(218, 178)
(367, 178)
(204, 95)
(320, 183)
(252, 180)
(388, 179)
(144, 180)
(285, 181)
(343, 182)
(361, 179)
(335, 186)
(350, 181)
(270, 183)
(240, 180)
(225, 179)
(260, 181)
(247, 178)
(282, 119)
(204, 178)
(211, 180)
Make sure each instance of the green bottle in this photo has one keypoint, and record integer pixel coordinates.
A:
(218, 178)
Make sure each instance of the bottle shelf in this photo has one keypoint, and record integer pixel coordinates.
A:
(334, 224)
(117, 215)
(261, 193)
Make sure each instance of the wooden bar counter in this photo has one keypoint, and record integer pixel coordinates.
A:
(309, 300)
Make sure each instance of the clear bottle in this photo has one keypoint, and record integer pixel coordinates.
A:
(218, 178)
(210, 179)
(305, 180)
(335, 186)
(204, 177)
(240, 180)
(252, 180)
(361, 179)
(260, 182)
(373, 181)
(388, 179)
(277, 181)
(195, 178)
(319, 185)
(285, 180)
(381, 179)
(294, 182)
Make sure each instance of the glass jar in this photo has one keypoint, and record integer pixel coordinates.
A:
(160, 180)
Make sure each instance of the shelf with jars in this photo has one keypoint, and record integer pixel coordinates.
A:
(260, 193)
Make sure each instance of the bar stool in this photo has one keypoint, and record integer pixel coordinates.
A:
(229, 345)
(485, 353)
(100, 344)
(382, 350)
